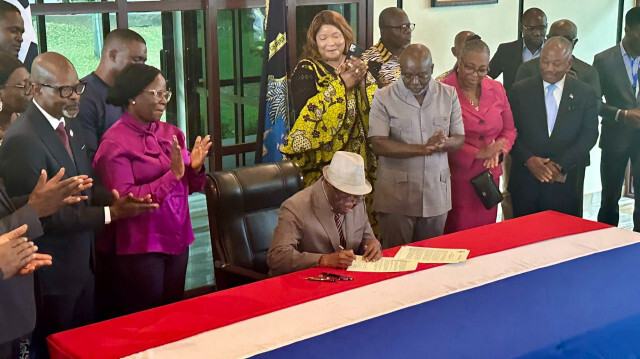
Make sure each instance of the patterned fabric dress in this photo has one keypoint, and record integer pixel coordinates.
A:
(328, 119)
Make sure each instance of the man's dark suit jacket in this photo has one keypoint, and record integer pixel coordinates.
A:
(506, 61)
(585, 73)
(31, 144)
(17, 301)
(618, 94)
(574, 134)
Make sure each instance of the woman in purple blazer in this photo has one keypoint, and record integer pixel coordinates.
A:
(489, 133)
(142, 156)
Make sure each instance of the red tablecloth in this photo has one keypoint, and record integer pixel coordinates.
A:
(140, 331)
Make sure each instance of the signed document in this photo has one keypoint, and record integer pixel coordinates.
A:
(432, 255)
(384, 264)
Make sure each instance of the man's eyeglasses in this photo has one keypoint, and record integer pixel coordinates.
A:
(25, 87)
(404, 27)
(161, 94)
(345, 198)
(67, 91)
(540, 28)
(470, 70)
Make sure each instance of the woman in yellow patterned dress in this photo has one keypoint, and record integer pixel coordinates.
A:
(331, 96)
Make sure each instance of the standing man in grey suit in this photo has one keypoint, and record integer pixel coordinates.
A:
(511, 55)
(557, 121)
(620, 138)
(46, 136)
(413, 124)
(582, 70)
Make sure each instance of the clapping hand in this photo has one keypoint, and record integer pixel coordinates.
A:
(48, 196)
(352, 71)
(200, 151)
(177, 163)
(18, 255)
(130, 206)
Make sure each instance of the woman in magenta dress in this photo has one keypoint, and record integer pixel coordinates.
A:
(143, 156)
(489, 135)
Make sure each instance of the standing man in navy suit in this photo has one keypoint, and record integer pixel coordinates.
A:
(46, 136)
(620, 139)
(557, 121)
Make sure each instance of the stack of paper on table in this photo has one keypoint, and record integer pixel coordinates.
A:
(407, 259)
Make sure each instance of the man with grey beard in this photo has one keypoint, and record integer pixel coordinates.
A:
(413, 123)
(46, 136)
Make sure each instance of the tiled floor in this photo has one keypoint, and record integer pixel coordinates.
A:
(200, 268)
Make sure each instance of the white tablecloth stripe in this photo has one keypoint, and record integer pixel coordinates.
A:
(289, 325)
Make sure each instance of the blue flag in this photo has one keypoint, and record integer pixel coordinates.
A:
(273, 113)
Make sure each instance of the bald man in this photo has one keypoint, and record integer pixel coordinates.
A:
(582, 70)
(395, 35)
(46, 136)
(413, 124)
(511, 55)
(458, 42)
(557, 121)
(121, 48)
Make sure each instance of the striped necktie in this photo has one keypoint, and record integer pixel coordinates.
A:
(338, 219)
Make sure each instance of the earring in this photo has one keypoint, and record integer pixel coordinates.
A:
(133, 102)
(0, 105)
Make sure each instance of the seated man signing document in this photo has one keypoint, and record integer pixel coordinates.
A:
(325, 224)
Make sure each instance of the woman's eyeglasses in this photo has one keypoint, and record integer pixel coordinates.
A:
(161, 94)
(25, 87)
(470, 70)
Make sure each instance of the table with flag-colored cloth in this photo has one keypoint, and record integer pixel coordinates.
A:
(529, 284)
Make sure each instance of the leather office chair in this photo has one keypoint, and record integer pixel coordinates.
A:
(243, 206)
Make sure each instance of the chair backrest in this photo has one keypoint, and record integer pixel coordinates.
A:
(243, 207)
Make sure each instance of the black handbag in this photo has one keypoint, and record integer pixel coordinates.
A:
(487, 189)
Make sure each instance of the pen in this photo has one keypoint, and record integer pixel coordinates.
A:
(337, 276)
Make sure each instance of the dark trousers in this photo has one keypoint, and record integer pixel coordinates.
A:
(10, 350)
(612, 169)
(149, 280)
(55, 313)
(560, 197)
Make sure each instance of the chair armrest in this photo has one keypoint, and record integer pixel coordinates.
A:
(239, 271)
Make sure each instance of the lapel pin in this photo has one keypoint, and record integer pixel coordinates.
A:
(71, 133)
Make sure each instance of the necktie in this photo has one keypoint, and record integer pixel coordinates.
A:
(65, 139)
(338, 220)
(552, 107)
(634, 74)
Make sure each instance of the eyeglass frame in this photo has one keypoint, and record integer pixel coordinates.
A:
(469, 71)
(26, 87)
(410, 26)
(73, 88)
(156, 92)
(533, 28)
(346, 198)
